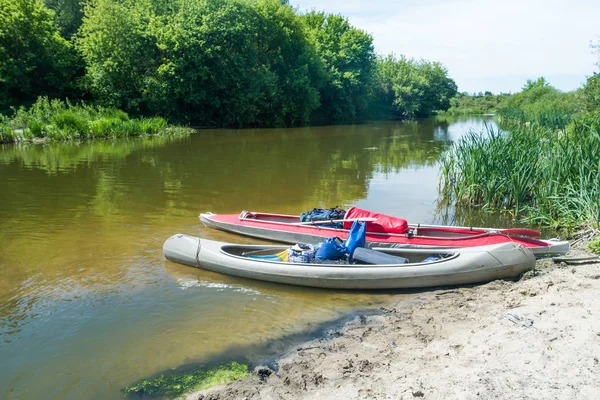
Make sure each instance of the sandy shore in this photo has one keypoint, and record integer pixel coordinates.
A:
(538, 338)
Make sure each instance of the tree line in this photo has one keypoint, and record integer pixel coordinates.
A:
(236, 63)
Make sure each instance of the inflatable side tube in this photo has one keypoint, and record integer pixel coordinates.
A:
(370, 256)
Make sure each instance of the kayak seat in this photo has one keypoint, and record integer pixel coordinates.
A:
(363, 255)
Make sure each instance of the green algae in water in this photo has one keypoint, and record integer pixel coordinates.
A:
(198, 379)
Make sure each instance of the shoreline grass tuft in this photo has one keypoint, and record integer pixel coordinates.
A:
(198, 379)
(58, 120)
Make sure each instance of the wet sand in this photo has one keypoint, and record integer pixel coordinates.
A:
(537, 338)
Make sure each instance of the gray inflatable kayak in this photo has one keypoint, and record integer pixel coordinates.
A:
(453, 267)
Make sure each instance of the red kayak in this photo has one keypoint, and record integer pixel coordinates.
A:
(382, 231)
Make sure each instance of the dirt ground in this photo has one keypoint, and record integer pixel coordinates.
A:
(537, 338)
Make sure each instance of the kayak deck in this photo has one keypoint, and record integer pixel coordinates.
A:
(289, 229)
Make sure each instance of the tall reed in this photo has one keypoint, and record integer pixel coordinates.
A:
(546, 175)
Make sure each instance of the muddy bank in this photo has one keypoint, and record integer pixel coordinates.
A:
(538, 338)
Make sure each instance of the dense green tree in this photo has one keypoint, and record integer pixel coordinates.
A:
(68, 15)
(409, 88)
(533, 84)
(438, 88)
(119, 54)
(591, 94)
(292, 57)
(249, 64)
(34, 59)
(539, 96)
(215, 62)
(348, 56)
(234, 63)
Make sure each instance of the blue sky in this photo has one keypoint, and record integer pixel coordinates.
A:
(486, 45)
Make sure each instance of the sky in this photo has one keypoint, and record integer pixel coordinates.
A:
(486, 45)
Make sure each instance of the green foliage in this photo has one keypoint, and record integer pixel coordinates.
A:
(238, 63)
(199, 379)
(348, 57)
(34, 59)
(464, 104)
(533, 84)
(118, 52)
(541, 104)
(7, 134)
(409, 88)
(218, 62)
(550, 177)
(547, 169)
(67, 15)
(590, 94)
(57, 120)
(594, 245)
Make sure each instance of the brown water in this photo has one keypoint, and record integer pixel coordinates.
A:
(88, 305)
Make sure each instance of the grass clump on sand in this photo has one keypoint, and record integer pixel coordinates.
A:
(198, 379)
(594, 245)
(58, 120)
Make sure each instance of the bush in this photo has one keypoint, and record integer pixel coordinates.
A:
(7, 134)
(71, 123)
(59, 120)
(594, 245)
(36, 128)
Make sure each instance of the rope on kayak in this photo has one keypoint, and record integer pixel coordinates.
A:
(198, 253)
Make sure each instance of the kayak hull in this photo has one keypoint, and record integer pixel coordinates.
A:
(460, 266)
(282, 229)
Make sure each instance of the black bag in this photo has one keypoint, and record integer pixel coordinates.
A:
(319, 214)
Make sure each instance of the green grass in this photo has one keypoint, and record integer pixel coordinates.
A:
(594, 245)
(198, 379)
(542, 175)
(57, 120)
(545, 118)
(7, 134)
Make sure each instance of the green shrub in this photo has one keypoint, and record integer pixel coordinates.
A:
(36, 128)
(594, 245)
(71, 123)
(7, 134)
(58, 120)
(104, 127)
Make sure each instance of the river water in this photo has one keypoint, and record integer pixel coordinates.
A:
(88, 305)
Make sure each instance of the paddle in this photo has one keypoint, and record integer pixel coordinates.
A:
(507, 231)
(574, 259)
(518, 232)
(329, 221)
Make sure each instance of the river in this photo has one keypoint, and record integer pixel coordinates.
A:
(88, 304)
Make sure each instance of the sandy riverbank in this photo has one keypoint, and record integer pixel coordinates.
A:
(538, 338)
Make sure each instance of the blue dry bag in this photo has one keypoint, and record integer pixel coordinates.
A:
(331, 249)
(356, 237)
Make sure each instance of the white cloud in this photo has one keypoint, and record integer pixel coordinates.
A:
(486, 45)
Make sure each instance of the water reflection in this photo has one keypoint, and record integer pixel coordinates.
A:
(87, 302)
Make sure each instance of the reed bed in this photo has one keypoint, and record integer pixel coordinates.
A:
(545, 118)
(58, 120)
(542, 175)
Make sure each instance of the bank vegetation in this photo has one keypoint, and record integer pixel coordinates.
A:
(208, 63)
(542, 167)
